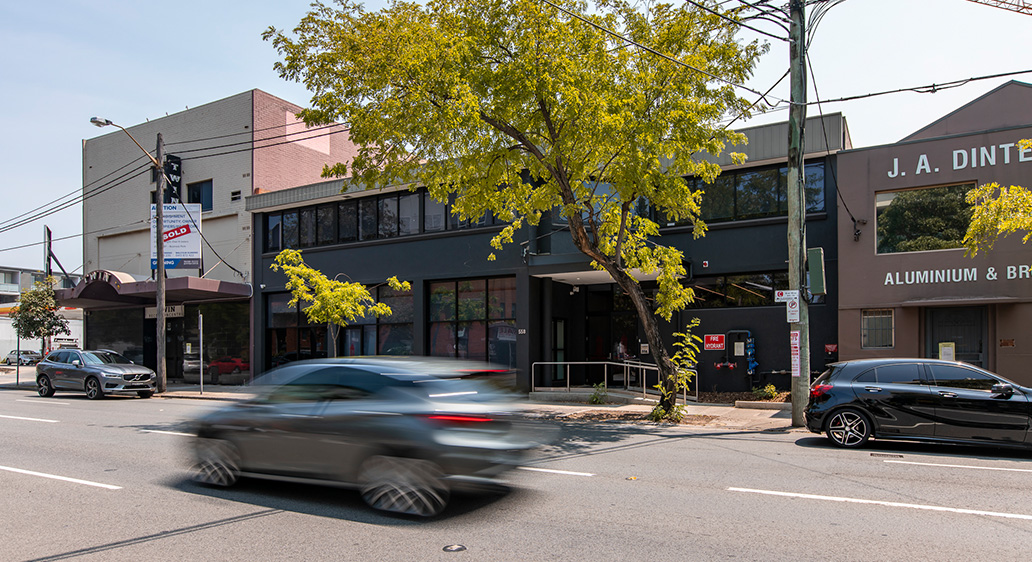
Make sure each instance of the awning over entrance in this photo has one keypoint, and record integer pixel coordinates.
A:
(115, 289)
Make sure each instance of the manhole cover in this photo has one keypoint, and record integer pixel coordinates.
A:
(454, 548)
(886, 455)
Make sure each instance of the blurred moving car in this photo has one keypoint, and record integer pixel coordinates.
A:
(98, 373)
(918, 399)
(404, 433)
(26, 357)
(226, 365)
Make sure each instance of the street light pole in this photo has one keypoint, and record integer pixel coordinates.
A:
(159, 241)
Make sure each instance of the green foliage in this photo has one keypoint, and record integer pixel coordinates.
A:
(471, 98)
(685, 361)
(36, 316)
(998, 211)
(328, 300)
(924, 219)
(599, 395)
(768, 392)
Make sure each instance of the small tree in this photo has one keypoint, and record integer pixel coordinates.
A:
(998, 211)
(36, 314)
(326, 300)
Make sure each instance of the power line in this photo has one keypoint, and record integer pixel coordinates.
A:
(929, 89)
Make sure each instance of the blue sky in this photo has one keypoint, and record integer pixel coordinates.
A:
(65, 61)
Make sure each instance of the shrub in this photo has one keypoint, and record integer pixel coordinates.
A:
(768, 392)
(600, 394)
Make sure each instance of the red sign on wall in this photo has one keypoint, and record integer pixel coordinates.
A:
(713, 342)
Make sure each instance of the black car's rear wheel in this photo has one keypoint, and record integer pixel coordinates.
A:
(849, 428)
(93, 390)
(218, 463)
(403, 485)
(43, 386)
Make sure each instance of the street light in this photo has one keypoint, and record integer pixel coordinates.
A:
(159, 229)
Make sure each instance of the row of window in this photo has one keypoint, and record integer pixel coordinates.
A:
(366, 218)
(471, 318)
(953, 376)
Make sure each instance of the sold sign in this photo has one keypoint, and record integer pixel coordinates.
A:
(176, 232)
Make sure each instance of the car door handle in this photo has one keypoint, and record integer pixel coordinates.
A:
(873, 388)
(946, 394)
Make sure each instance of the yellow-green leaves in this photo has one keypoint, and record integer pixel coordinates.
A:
(998, 211)
(327, 300)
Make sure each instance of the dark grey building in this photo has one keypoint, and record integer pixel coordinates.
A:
(540, 301)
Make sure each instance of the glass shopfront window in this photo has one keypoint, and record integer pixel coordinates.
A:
(917, 220)
(473, 319)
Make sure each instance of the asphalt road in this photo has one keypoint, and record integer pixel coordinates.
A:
(108, 480)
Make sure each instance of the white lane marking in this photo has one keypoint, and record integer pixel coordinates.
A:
(553, 471)
(43, 402)
(884, 503)
(166, 432)
(28, 419)
(64, 478)
(964, 466)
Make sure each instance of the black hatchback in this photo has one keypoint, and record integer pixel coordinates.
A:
(917, 399)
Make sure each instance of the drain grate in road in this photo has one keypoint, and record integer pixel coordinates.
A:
(886, 456)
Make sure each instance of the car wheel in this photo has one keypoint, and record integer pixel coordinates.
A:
(93, 390)
(849, 428)
(43, 386)
(402, 485)
(218, 463)
(145, 393)
(213, 374)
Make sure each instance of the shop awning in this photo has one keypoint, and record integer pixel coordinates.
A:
(115, 289)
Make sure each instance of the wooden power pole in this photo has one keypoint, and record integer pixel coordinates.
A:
(800, 323)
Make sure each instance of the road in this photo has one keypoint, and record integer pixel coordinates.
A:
(108, 480)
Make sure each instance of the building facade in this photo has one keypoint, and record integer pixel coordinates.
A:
(907, 287)
(229, 149)
(15, 280)
(540, 301)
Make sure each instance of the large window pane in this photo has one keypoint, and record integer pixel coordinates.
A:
(388, 216)
(814, 187)
(200, 193)
(280, 314)
(408, 214)
(290, 229)
(273, 231)
(367, 218)
(442, 339)
(395, 339)
(471, 341)
(472, 295)
(326, 227)
(718, 199)
(347, 217)
(922, 219)
(307, 227)
(502, 298)
(757, 193)
(401, 304)
(442, 301)
(502, 343)
(435, 214)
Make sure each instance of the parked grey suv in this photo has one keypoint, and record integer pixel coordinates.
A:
(97, 373)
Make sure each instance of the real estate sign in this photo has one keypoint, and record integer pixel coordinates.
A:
(182, 235)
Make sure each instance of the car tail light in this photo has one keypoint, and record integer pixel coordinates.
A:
(458, 419)
(818, 390)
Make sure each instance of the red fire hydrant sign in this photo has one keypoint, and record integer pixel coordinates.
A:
(713, 342)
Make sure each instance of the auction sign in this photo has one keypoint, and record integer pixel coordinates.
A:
(181, 236)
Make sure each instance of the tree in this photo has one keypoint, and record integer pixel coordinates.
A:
(518, 108)
(998, 211)
(36, 314)
(329, 301)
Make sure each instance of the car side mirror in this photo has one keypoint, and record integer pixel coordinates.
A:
(76, 363)
(1003, 389)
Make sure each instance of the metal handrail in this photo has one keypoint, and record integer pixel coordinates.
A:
(626, 365)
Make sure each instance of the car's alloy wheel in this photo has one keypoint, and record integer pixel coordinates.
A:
(93, 391)
(849, 428)
(218, 463)
(43, 387)
(403, 485)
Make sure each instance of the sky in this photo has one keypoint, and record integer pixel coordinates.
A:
(65, 61)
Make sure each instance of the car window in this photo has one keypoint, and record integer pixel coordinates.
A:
(60, 357)
(955, 376)
(905, 373)
(329, 383)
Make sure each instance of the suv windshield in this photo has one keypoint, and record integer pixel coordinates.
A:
(101, 357)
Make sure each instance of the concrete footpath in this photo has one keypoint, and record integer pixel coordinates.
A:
(746, 416)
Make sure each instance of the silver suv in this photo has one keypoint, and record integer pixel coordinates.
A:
(95, 372)
(28, 357)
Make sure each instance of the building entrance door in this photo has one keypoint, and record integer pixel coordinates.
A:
(965, 327)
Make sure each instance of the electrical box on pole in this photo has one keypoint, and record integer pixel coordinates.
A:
(815, 271)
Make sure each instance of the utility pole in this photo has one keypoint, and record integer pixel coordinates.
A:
(800, 330)
(159, 239)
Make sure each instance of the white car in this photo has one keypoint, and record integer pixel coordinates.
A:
(28, 357)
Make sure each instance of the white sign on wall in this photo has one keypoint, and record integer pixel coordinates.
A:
(181, 223)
